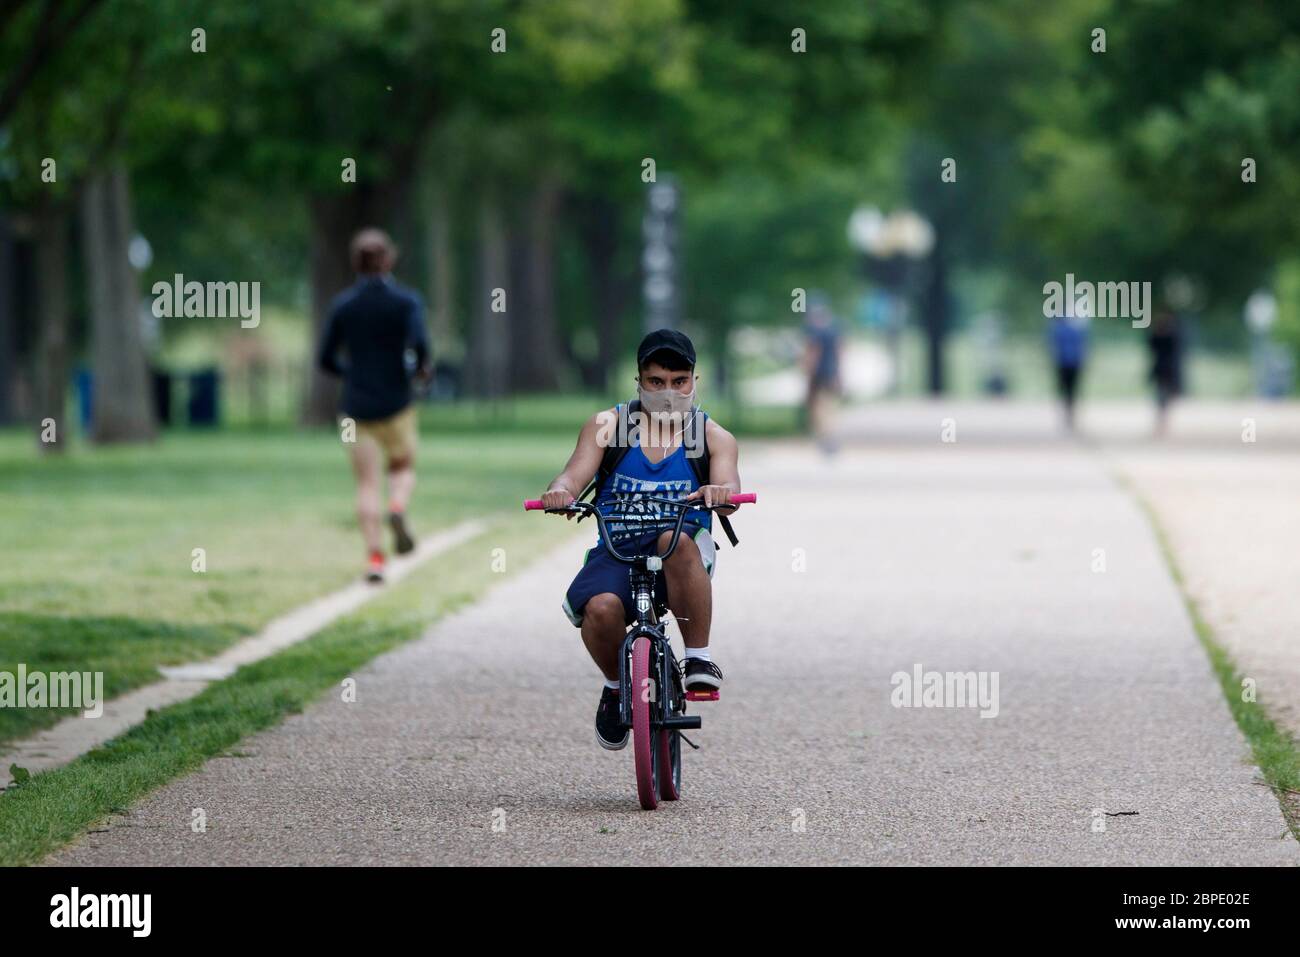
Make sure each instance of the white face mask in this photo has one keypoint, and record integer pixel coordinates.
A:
(664, 402)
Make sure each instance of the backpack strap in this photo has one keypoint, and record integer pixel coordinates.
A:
(614, 452)
(697, 432)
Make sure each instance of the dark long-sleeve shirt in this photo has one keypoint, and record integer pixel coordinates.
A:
(375, 322)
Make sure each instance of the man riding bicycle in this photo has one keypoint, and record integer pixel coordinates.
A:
(649, 448)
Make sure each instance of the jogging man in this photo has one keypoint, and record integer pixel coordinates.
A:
(376, 323)
(1068, 339)
(821, 367)
(656, 461)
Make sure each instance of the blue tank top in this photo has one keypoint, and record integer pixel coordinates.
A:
(671, 478)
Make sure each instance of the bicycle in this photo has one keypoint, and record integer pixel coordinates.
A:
(657, 712)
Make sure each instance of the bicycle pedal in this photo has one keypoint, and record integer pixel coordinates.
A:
(710, 695)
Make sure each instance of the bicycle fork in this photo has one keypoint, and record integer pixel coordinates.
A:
(661, 693)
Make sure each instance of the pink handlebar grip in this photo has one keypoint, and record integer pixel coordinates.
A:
(532, 504)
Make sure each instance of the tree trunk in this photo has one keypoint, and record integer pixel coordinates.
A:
(122, 406)
(52, 346)
(936, 303)
(9, 307)
(535, 365)
(441, 268)
(600, 235)
(489, 355)
(333, 222)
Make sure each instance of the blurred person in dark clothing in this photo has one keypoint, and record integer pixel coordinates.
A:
(1068, 340)
(1165, 343)
(821, 365)
(372, 327)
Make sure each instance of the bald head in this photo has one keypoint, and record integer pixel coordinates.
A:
(373, 252)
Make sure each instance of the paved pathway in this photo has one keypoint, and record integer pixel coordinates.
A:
(975, 556)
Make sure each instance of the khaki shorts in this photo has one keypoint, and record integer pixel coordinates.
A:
(396, 436)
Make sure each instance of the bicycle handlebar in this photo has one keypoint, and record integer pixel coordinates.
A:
(744, 498)
(588, 508)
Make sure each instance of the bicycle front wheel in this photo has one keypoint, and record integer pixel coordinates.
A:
(645, 737)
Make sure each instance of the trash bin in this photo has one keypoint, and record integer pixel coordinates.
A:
(160, 381)
(204, 393)
(446, 383)
(83, 384)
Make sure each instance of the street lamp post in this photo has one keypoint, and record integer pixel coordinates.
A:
(660, 260)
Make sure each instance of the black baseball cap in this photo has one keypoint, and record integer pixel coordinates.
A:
(669, 340)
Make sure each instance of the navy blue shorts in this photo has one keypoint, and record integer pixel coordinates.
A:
(600, 573)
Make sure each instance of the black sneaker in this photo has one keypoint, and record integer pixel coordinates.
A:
(403, 543)
(611, 733)
(702, 675)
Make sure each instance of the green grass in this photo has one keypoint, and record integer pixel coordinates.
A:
(102, 570)
(111, 531)
(1273, 749)
(127, 651)
(55, 807)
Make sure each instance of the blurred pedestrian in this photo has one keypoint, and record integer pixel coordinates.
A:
(1068, 340)
(1165, 343)
(376, 323)
(821, 366)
